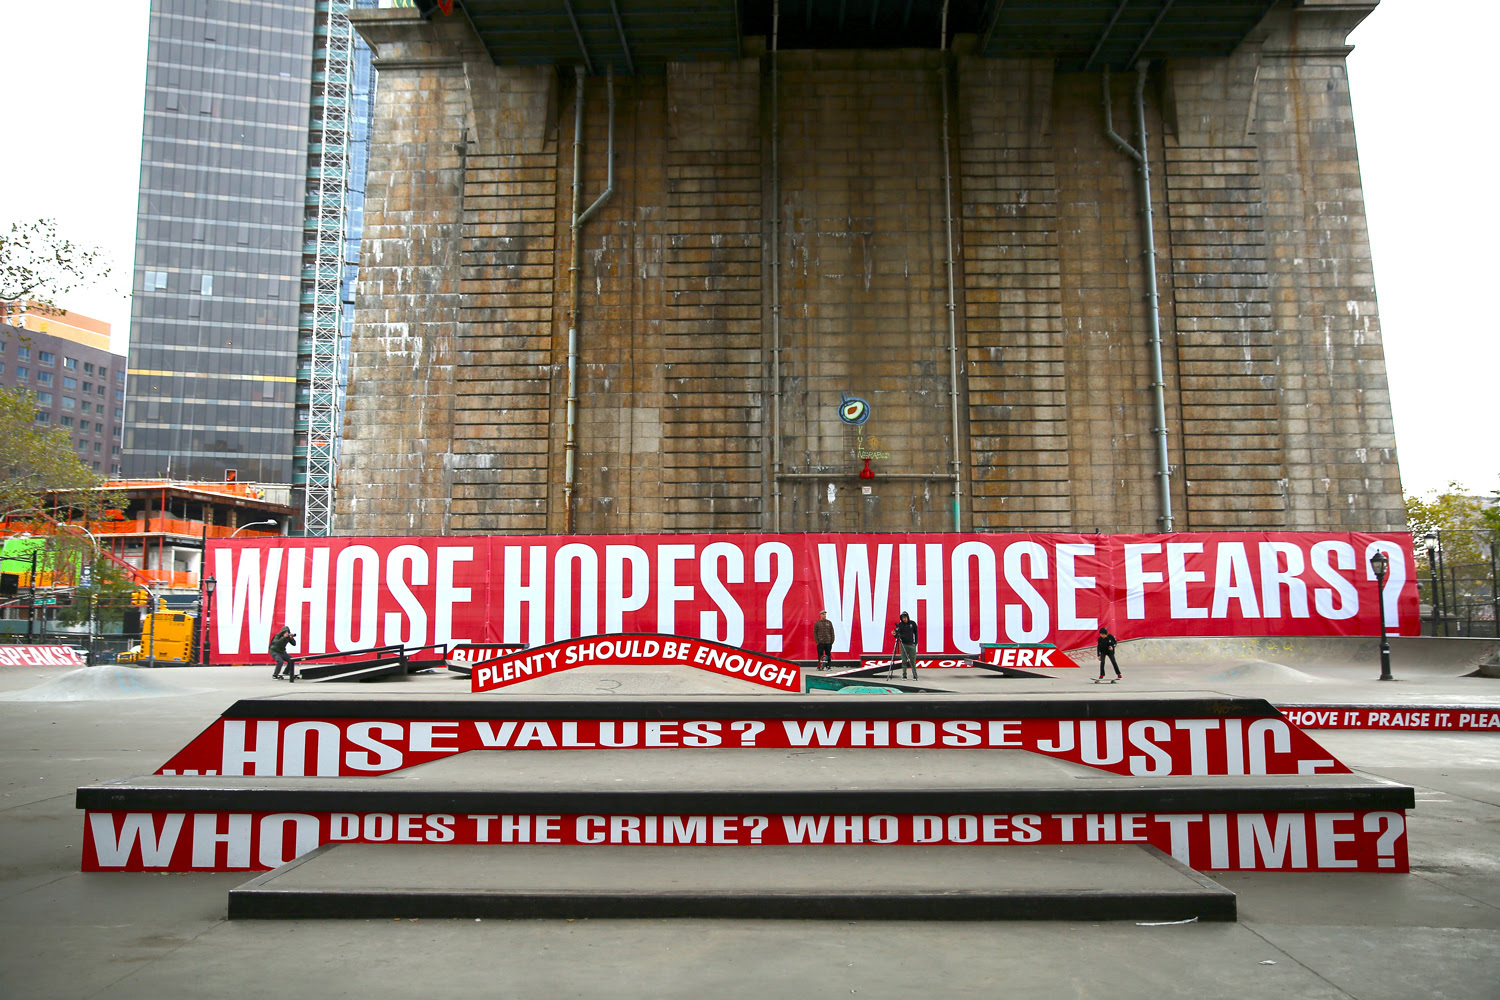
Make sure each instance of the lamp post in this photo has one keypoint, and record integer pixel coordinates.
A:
(254, 524)
(93, 601)
(205, 603)
(1433, 544)
(1380, 564)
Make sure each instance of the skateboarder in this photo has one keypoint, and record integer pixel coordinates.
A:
(823, 637)
(279, 642)
(1106, 648)
(906, 637)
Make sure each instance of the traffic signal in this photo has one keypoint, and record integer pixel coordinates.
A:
(140, 598)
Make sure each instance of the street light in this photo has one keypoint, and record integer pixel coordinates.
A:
(254, 524)
(1432, 542)
(93, 598)
(1380, 563)
(204, 606)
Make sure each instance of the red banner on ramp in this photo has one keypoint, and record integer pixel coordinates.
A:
(628, 650)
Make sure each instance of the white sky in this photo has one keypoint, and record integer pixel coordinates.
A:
(1424, 115)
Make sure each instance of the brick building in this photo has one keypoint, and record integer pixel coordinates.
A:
(778, 241)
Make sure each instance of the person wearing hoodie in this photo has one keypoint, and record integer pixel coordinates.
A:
(906, 636)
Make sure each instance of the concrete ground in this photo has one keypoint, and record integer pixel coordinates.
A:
(1434, 933)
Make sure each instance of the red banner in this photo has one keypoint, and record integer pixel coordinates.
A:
(635, 651)
(923, 663)
(1368, 841)
(764, 592)
(40, 656)
(1458, 718)
(1026, 657)
(1140, 747)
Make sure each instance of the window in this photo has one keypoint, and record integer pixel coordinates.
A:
(114, 449)
(46, 358)
(71, 364)
(99, 389)
(44, 399)
(206, 286)
(119, 413)
(155, 281)
(69, 403)
(88, 368)
(44, 378)
(120, 394)
(44, 418)
(88, 387)
(96, 466)
(114, 470)
(69, 382)
(23, 374)
(68, 422)
(96, 451)
(24, 353)
(2, 368)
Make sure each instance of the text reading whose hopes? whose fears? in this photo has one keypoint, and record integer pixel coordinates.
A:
(764, 591)
(1246, 841)
(1144, 747)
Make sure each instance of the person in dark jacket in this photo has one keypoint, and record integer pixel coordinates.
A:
(279, 642)
(906, 636)
(1106, 648)
(823, 637)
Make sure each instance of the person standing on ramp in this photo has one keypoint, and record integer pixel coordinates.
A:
(906, 637)
(823, 638)
(1106, 648)
(279, 642)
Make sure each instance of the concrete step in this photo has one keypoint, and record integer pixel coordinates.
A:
(740, 798)
(1081, 882)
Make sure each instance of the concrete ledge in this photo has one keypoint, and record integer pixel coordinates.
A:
(773, 706)
(756, 793)
(1093, 882)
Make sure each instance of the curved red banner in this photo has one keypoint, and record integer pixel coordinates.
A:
(636, 650)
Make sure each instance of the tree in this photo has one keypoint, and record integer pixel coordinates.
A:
(38, 264)
(1468, 525)
(108, 592)
(37, 461)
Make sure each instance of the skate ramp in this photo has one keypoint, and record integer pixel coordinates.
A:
(1262, 671)
(101, 684)
(1424, 654)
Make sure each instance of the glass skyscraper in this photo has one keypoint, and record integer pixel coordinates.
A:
(228, 236)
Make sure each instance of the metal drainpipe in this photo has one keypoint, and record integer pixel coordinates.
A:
(1148, 225)
(574, 290)
(775, 276)
(952, 306)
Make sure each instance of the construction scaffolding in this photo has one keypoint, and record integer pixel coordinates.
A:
(326, 228)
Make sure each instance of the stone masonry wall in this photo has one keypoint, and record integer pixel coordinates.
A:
(398, 415)
(1277, 411)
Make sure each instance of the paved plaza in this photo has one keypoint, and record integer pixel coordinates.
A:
(1432, 933)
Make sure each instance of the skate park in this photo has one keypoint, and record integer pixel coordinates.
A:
(1300, 933)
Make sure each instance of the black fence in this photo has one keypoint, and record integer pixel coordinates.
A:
(1459, 599)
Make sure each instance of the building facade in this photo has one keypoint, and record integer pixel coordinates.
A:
(946, 230)
(236, 246)
(78, 381)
